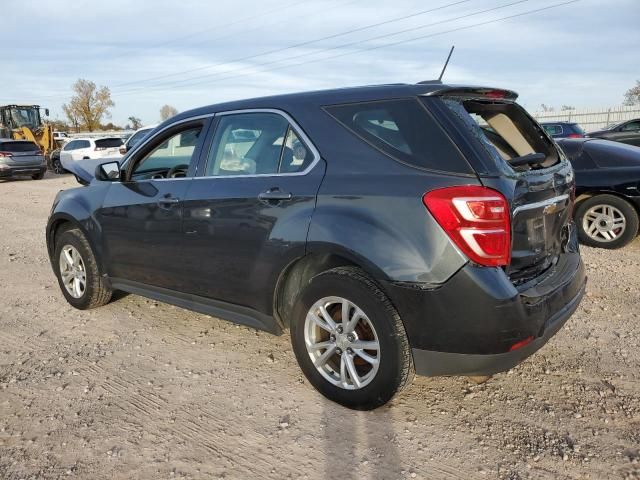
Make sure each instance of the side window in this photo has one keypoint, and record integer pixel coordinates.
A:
(403, 130)
(248, 144)
(296, 156)
(70, 146)
(553, 129)
(631, 126)
(176, 153)
(82, 144)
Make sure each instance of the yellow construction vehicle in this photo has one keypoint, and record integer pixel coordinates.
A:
(24, 122)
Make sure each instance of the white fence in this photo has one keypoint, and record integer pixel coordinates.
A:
(591, 119)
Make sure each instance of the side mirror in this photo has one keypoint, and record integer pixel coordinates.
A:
(46, 112)
(108, 172)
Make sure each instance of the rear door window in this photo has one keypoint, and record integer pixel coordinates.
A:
(18, 147)
(404, 130)
(256, 144)
(82, 144)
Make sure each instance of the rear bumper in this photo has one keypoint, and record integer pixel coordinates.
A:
(21, 170)
(468, 325)
(430, 363)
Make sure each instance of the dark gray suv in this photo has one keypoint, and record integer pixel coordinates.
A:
(391, 229)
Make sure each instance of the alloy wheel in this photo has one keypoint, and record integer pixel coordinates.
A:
(342, 343)
(604, 223)
(72, 271)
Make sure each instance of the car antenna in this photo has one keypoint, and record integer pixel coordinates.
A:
(446, 63)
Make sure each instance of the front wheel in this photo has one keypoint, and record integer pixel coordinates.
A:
(77, 271)
(349, 340)
(39, 175)
(606, 221)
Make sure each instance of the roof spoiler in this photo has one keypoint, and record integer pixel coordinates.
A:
(472, 92)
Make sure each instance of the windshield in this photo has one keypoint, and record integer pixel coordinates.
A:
(25, 117)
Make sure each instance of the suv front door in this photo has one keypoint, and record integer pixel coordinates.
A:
(141, 216)
(248, 212)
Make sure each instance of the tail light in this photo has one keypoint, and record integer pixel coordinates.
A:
(6, 154)
(575, 135)
(477, 219)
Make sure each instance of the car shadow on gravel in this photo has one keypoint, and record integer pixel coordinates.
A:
(359, 445)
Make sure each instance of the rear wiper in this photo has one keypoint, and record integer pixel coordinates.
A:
(529, 159)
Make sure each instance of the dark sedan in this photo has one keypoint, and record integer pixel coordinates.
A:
(607, 189)
(625, 132)
(21, 158)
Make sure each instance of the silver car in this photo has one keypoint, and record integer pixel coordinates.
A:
(21, 158)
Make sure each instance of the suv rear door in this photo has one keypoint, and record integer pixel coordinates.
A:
(494, 132)
(247, 213)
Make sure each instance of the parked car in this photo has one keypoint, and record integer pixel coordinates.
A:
(21, 158)
(607, 189)
(625, 132)
(381, 225)
(61, 137)
(86, 148)
(137, 136)
(563, 129)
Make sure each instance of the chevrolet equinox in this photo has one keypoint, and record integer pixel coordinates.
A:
(390, 229)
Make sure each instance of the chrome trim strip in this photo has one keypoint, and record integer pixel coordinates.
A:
(543, 203)
(307, 141)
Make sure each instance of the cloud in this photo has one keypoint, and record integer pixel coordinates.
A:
(582, 54)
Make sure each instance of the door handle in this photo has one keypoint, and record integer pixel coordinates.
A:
(274, 195)
(168, 202)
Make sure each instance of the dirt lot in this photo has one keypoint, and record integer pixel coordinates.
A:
(138, 389)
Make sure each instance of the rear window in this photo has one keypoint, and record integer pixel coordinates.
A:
(108, 142)
(18, 147)
(404, 130)
(577, 128)
(504, 129)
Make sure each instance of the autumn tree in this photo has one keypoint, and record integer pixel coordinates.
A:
(632, 96)
(167, 111)
(136, 123)
(89, 104)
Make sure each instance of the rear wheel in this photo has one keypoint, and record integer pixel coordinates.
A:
(38, 176)
(606, 221)
(349, 340)
(77, 271)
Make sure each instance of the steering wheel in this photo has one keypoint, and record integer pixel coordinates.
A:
(178, 171)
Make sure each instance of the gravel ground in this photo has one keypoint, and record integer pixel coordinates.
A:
(139, 389)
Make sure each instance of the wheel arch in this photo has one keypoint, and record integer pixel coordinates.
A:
(298, 273)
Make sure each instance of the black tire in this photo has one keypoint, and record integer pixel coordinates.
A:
(625, 208)
(56, 165)
(395, 369)
(96, 293)
(39, 175)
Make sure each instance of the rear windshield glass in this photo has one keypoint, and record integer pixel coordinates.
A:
(613, 154)
(404, 130)
(577, 128)
(18, 147)
(504, 129)
(108, 142)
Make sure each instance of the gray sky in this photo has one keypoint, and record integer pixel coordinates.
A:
(193, 53)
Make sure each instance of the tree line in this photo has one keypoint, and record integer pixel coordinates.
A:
(90, 104)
